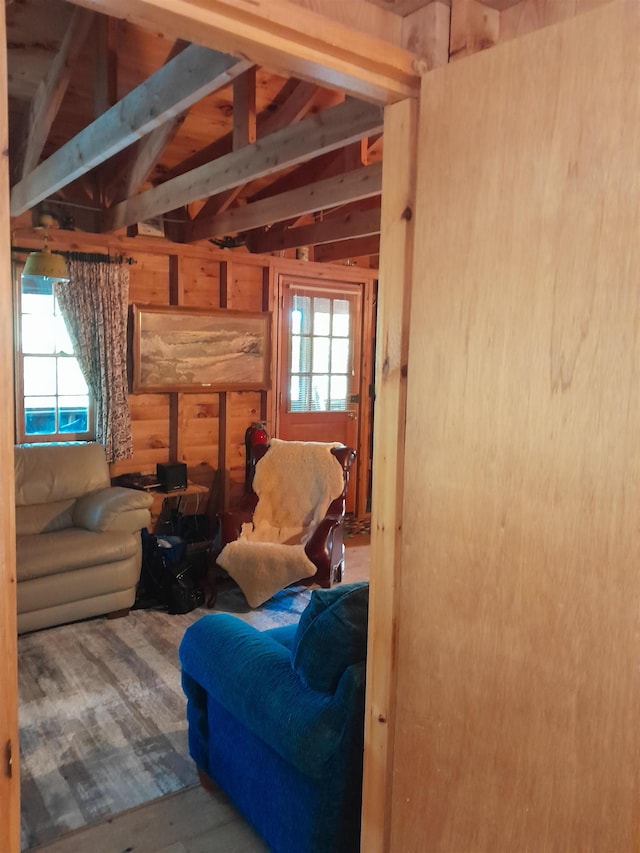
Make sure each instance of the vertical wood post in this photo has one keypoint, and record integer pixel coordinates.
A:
(394, 297)
(9, 772)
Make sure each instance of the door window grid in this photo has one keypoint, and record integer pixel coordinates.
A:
(320, 354)
(55, 402)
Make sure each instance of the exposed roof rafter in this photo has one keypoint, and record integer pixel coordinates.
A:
(342, 189)
(326, 131)
(185, 80)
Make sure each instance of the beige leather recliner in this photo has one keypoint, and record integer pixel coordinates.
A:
(78, 544)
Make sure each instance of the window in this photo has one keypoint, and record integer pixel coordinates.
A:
(320, 354)
(53, 401)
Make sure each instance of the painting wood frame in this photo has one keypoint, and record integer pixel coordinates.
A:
(192, 349)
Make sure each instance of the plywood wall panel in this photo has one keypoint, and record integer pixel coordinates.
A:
(530, 15)
(518, 645)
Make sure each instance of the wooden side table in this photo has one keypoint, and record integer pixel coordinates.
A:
(189, 501)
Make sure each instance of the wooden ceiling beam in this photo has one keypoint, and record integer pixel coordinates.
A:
(137, 162)
(500, 5)
(325, 166)
(105, 85)
(188, 78)
(279, 34)
(325, 131)
(243, 133)
(295, 101)
(364, 223)
(291, 104)
(345, 249)
(342, 189)
(49, 94)
(403, 7)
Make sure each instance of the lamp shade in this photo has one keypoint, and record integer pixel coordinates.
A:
(44, 264)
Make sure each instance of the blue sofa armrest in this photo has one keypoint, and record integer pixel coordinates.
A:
(250, 674)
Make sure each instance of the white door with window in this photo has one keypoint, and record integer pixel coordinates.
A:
(320, 365)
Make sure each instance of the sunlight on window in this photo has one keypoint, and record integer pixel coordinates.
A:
(320, 354)
(56, 401)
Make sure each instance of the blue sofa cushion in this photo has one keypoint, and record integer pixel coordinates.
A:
(331, 635)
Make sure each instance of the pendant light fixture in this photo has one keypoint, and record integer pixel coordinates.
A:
(44, 264)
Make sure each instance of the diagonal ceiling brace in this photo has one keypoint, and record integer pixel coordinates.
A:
(325, 131)
(188, 78)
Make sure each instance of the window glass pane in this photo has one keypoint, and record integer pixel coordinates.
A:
(37, 295)
(321, 316)
(339, 390)
(321, 347)
(340, 355)
(37, 334)
(73, 414)
(39, 415)
(320, 393)
(39, 375)
(341, 318)
(70, 378)
(63, 341)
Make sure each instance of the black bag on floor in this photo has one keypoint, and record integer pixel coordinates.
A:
(168, 577)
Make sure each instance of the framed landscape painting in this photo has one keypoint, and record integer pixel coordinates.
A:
(189, 349)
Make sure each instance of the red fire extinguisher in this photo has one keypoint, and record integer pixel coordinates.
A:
(255, 434)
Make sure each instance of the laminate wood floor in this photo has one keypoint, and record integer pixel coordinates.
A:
(189, 821)
(192, 820)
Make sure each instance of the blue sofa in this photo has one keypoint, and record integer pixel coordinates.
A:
(276, 718)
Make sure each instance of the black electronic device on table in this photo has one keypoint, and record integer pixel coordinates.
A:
(142, 482)
(172, 476)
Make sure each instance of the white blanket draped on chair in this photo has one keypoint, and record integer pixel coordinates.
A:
(295, 482)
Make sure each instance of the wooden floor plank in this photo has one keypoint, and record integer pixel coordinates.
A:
(189, 821)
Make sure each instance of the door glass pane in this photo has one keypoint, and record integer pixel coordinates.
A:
(320, 393)
(300, 393)
(321, 355)
(300, 354)
(339, 391)
(341, 318)
(301, 315)
(320, 366)
(295, 354)
(340, 351)
(321, 316)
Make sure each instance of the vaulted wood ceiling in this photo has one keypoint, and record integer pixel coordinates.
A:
(113, 124)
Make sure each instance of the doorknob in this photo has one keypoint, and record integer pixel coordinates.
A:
(352, 416)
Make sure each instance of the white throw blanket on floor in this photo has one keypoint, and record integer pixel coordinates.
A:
(295, 482)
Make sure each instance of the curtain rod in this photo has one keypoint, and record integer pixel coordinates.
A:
(86, 257)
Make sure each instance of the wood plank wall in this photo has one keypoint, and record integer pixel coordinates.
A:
(206, 430)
